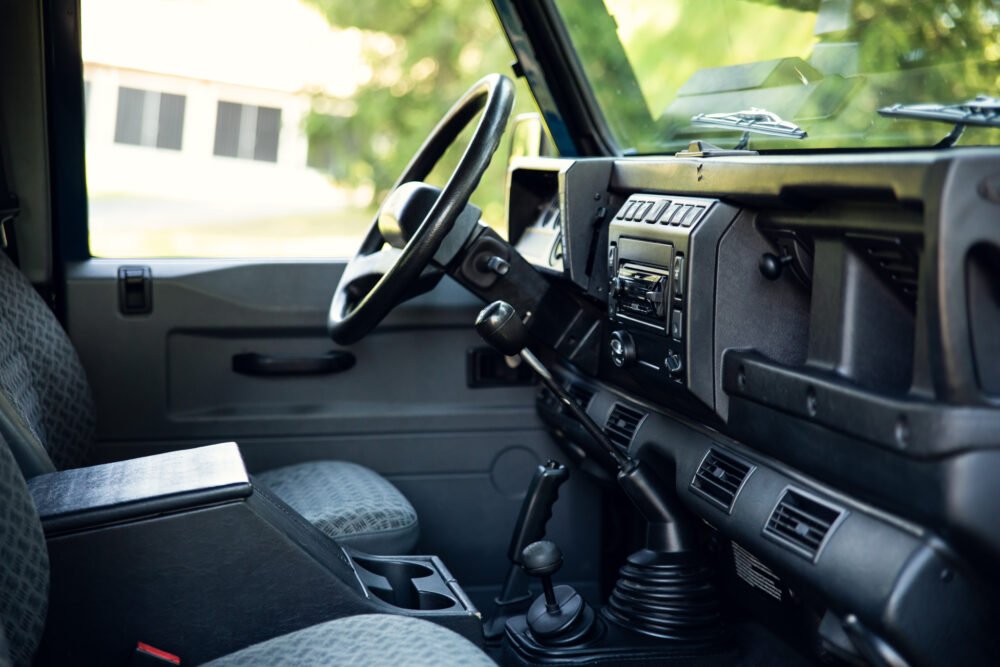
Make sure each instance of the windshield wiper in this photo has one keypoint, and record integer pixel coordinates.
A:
(983, 111)
(752, 120)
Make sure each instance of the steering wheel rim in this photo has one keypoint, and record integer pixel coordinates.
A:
(494, 96)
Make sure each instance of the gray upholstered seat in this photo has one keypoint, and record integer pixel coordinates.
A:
(47, 416)
(375, 639)
(347, 501)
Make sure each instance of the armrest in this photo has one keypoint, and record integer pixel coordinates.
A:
(147, 486)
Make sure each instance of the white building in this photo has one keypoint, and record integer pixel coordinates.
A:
(215, 119)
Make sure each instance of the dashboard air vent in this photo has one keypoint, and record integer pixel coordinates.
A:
(622, 424)
(720, 477)
(897, 261)
(581, 394)
(802, 523)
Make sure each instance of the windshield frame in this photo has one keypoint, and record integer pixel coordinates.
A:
(547, 58)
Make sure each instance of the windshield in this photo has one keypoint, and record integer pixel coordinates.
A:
(814, 72)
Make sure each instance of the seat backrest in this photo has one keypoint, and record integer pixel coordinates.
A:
(46, 408)
(24, 565)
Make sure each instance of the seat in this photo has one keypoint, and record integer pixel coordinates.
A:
(47, 416)
(371, 639)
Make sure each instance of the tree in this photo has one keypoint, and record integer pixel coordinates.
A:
(423, 55)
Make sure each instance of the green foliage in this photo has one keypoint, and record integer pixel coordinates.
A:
(874, 52)
(423, 55)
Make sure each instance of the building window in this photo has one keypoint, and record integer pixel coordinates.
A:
(247, 131)
(149, 118)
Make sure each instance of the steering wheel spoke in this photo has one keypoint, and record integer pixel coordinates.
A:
(373, 266)
(362, 275)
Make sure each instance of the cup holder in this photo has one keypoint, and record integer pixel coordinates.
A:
(402, 590)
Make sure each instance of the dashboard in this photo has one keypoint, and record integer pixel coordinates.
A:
(802, 343)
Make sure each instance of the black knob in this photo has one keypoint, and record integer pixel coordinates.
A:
(617, 285)
(623, 352)
(540, 559)
(501, 327)
(770, 265)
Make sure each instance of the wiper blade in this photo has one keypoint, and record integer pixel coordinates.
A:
(983, 111)
(758, 121)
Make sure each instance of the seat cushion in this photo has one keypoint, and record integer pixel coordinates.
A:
(372, 639)
(355, 505)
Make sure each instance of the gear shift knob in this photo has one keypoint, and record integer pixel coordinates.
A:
(541, 559)
(501, 327)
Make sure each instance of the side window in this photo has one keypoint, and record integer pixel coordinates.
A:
(269, 128)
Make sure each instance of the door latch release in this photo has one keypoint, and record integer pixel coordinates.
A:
(135, 290)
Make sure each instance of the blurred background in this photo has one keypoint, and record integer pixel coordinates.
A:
(270, 128)
(273, 128)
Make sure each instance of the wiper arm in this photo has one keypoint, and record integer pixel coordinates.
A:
(983, 111)
(758, 121)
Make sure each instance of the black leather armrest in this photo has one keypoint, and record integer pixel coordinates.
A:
(147, 486)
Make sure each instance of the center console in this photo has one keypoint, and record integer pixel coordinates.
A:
(661, 256)
(182, 551)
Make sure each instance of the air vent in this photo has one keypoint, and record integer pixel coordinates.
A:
(720, 477)
(581, 394)
(622, 424)
(802, 523)
(897, 261)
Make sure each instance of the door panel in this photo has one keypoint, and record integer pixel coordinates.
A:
(463, 456)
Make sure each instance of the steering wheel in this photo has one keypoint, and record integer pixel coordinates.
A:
(394, 261)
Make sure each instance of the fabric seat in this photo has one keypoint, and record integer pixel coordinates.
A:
(47, 416)
(373, 639)
(349, 502)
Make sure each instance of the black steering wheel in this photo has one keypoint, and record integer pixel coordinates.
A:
(414, 219)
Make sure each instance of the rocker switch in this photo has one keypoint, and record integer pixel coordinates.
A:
(135, 290)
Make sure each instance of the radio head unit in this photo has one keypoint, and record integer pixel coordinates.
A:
(641, 293)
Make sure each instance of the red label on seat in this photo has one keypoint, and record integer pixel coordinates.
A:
(157, 653)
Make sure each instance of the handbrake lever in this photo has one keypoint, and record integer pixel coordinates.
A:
(537, 507)
(536, 510)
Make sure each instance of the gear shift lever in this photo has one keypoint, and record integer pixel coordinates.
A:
(559, 616)
(501, 327)
(670, 566)
(542, 560)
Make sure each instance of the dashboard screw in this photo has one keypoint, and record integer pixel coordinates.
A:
(741, 378)
(597, 196)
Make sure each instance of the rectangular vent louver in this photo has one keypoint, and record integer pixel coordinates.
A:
(581, 394)
(897, 261)
(802, 523)
(621, 425)
(719, 478)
